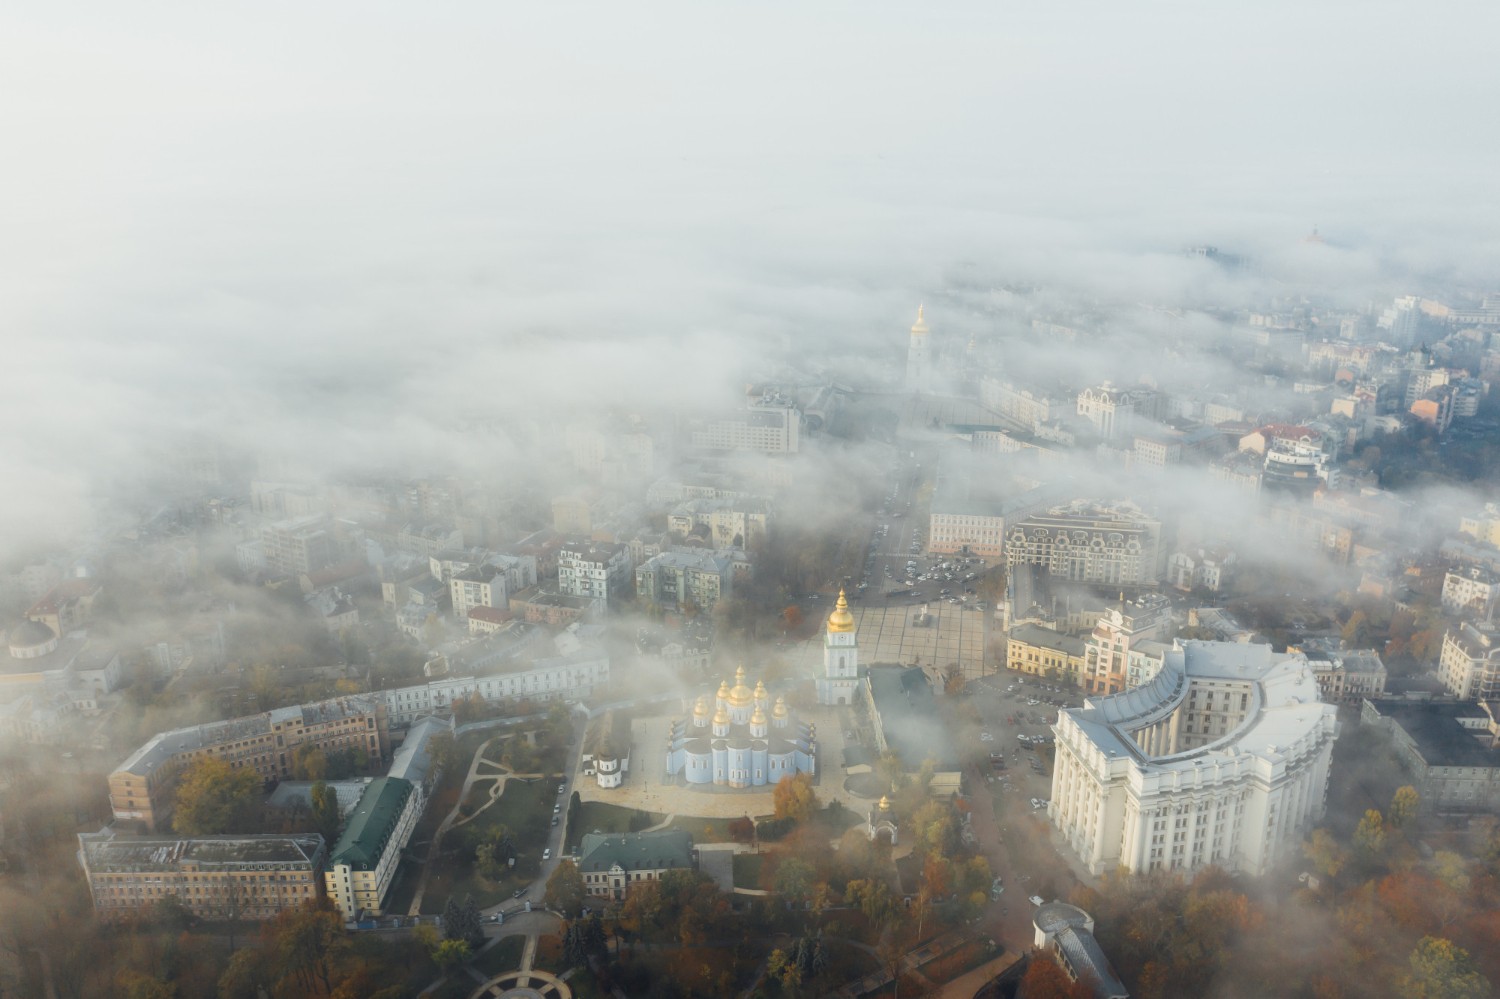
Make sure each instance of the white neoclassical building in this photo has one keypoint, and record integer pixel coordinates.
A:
(1222, 758)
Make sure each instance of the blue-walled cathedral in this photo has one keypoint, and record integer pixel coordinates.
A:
(742, 741)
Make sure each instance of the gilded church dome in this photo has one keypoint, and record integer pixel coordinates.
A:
(780, 709)
(841, 620)
(721, 717)
(759, 717)
(741, 695)
(700, 709)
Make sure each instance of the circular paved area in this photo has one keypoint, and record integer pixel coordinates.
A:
(523, 985)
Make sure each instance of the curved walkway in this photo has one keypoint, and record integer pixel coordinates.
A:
(437, 837)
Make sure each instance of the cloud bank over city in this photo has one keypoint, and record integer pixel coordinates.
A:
(329, 233)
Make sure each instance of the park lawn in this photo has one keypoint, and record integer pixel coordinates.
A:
(549, 956)
(403, 887)
(909, 870)
(954, 963)
(703, 830)
(600, 816)
(747, 870)
(706, 969)
(505, 955)
(845, 964)
(526, 809)
(909, 986)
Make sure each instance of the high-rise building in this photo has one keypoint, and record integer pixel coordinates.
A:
(1222, 759)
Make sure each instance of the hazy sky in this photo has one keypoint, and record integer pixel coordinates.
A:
(252, 210)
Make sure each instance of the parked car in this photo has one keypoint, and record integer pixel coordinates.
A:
(1035, 900)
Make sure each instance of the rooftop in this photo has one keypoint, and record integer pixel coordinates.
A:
(1439, 736)
(646, 851)
(104, 851)
(369, 827)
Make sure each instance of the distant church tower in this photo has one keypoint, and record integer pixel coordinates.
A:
(840, 657)
(919, 356)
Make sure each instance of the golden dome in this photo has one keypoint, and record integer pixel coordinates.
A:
(701, 708)
(841, 620)
(760, 688)
(759, 717)
(723, 689)
(919, 328)
(780, 709)
(721, 717)
(885, 803)
(741, 694)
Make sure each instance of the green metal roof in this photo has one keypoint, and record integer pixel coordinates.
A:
(646, 851)
(371, 823)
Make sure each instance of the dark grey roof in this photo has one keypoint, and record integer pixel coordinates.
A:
(668, 849)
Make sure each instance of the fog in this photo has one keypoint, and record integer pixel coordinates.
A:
(328, 231)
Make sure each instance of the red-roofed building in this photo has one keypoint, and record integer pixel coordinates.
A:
(487, 620)
(67, 606)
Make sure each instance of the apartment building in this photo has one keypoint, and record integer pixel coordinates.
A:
(722, 523)
(679, 579)
(593, 570)
(142, 786)
(771, 425)
(303, 544)
(480, 586)
(1038, 651)
(1471, 590)
(1115, 656)
(1469, 663)
(1090, 543)
(213, 877)
(363, 863)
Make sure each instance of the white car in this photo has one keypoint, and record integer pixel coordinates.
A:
(547, 853)
(1035, 900)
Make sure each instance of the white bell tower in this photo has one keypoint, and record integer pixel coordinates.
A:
(840, 657)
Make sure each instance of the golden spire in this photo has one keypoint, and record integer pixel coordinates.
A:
(841, 620)
(919, 328)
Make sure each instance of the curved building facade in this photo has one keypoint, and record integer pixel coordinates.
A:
(1222, 758)
(740, 739)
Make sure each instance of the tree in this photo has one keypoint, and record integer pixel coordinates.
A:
(1404, 806)
(873, 899)
(450, 954)
(214, 797)
(794, 797)
(794, 879)
(742, 829)
(306, 939)
(1325, 853)
(1442, 970)
(1369, 837)
(309, 762)
(565, 891)
(325, 811)
(461, 922)
(1044, 979)
(1356, 633)
(495, 852)
(891, 770)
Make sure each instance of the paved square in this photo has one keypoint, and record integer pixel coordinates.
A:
(953, 634)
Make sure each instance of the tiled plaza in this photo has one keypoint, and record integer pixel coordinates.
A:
(954, 634)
